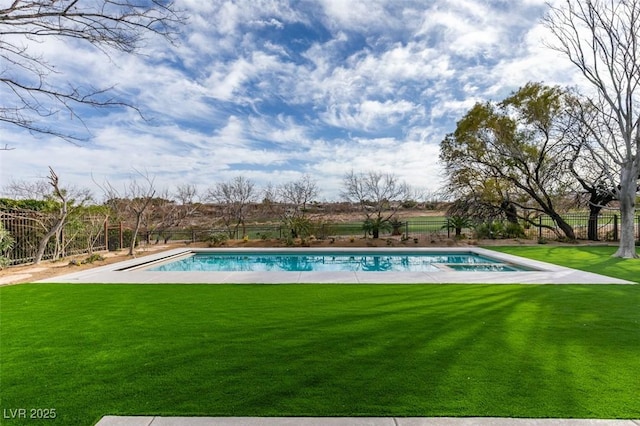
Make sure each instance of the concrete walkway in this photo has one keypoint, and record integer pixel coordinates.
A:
(353, 421)
(134, 271)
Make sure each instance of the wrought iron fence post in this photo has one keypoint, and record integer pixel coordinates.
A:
(106, 235)
(615, 227)
(540, 227)
(121, 236)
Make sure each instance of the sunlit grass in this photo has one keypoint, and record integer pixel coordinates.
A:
(597, 259)
(321, 350)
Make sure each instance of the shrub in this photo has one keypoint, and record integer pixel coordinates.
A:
(93, 258)
(513, 230)
(409, 204)
(301, 227)
(375, 226)
(396, 225)
(457, 223)
(217, 239)
(6, 244)
(489, 230)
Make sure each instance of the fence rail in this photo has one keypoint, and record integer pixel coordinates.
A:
(28, 228)
(87, 234)
(608, 229)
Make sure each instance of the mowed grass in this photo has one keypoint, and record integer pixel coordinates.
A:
(596, 259)
(320, 350)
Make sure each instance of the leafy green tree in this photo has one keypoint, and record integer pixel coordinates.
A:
(513, 152)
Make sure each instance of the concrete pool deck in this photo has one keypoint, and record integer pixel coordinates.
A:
(543, 273)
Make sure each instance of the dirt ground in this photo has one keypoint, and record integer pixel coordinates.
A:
(47, 269)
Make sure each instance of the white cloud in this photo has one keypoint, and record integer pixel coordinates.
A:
(246, 91)
(369, 115)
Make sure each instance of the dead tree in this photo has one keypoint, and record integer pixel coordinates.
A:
(600, 38)
(66, 202)
(132, 203)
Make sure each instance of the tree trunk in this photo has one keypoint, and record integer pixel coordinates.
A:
(566, 229)
(627, 197)
(134, 237)
(42, 245)
(592, 227)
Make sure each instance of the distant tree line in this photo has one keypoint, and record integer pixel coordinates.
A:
(230, 204)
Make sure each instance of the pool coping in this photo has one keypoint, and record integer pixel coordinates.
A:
(544, 273)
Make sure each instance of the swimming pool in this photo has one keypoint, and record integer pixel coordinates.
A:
(336, 262)
(138, 270)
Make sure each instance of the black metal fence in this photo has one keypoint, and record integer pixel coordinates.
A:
(86, 234)
(607, 229)
(27, 228)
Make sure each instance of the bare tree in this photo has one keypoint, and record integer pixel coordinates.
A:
(58, 202)
(168, 211)
(379, 196)
(296, 196)
(133, 202)
(188, 203)
(93, 225)
(590, 166)
(234, 197)
(187, 194)
(600, 37)
(299, 193)
(160, 216)
(66, 202)
(29, 93)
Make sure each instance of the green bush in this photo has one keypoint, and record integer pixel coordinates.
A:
(299, 227)
(217, 239)
(496, 230)
(513, 230)
(375, 226)
(458, 223)
(489, 230)
(93, 258)
(6, 244)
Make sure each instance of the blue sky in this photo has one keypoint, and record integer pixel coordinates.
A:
(272, 90)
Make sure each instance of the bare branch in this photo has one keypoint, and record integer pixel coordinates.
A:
(600, 37)
(118, 25)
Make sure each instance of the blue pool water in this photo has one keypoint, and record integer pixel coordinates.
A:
(299, 262)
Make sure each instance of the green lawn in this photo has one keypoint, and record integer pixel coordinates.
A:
(595, 259)
(322, 350)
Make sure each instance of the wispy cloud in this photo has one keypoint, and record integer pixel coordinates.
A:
(272, 90)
